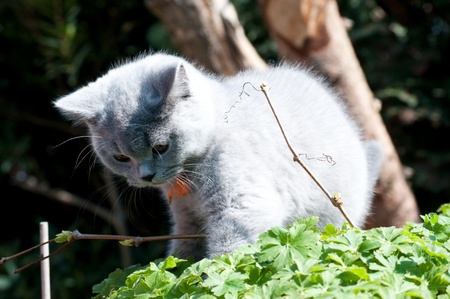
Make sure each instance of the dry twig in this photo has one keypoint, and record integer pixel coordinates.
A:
(336, 199)
(68, 237)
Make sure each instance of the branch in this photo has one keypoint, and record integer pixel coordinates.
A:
(208, 32)
(68, 237)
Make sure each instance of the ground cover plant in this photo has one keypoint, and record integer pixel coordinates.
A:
(301, 261)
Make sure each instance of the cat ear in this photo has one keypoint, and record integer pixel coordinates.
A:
(173, 82)
(81, 106)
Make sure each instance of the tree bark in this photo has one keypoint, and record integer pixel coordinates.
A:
(313, 31)
(208, 32)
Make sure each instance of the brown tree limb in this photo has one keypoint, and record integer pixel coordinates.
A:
(68, 237)
(313, 31)
(208, 32)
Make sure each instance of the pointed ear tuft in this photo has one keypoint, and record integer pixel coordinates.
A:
(173, 81)
(81, 106)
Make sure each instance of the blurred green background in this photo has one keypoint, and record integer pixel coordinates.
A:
(48, 48)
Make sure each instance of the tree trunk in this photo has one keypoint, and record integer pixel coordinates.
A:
(313, 31)
(210, 33)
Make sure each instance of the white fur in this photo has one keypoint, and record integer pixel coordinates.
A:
(229, 147)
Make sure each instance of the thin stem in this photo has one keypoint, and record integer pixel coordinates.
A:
(44, 257)
(76, 235)
(8, 258)
(336, 199)
(136, 241)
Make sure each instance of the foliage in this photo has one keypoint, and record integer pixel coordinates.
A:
(303, 262)
(51, 47)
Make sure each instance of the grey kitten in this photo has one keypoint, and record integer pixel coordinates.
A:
(159, 121)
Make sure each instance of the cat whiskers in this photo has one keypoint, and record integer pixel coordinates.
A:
(131, 195)
(125, 202)
(95, 207)
(80, 158)
(188, 184)
(112, 191)
(200, 176)
(92, 160)
(77, 137)
(83, 153)
(137, 212)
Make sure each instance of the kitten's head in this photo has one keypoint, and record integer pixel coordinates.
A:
(148, 118)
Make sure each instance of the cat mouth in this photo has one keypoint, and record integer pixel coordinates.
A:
(160, 182)
(156, 184)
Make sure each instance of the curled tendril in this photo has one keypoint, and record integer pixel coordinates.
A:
(240, 98)
(324, 158)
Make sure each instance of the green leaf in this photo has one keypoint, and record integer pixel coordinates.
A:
(383, 263)
(283, 246)
(439, 280)
(114, 281)
(128, 242)
(170, 263)
(225, 282)
(198, 269)
(353, 275)
(64, 236)
(299, 262)
(329, 231)
(398, 285)
(205, 296)
(369, 245)
(273, 289)
(349, 241)
(439, 225)
(297, 271)
(157, 283)
(444, 209)
(392, 239)
(325, 280)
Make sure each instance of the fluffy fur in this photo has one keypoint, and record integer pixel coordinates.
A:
(158, 117)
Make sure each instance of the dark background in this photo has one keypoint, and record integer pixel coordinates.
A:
(48, 48)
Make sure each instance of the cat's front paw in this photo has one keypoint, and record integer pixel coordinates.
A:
(227, 235)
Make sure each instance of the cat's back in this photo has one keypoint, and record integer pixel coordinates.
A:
(318, 126)
(303, 101)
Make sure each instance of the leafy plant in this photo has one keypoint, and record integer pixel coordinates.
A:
(302, 262)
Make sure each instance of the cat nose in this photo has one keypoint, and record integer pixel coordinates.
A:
(149, 177)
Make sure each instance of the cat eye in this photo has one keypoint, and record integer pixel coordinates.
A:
(159, 149)
(121, 158)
